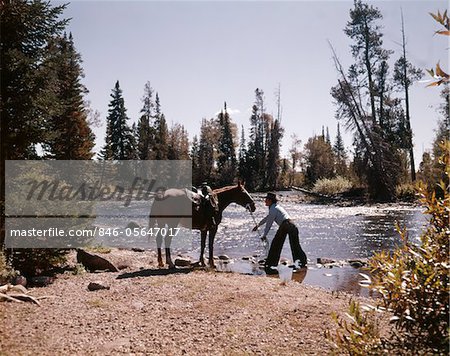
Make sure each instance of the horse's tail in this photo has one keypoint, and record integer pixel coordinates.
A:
(153, 217)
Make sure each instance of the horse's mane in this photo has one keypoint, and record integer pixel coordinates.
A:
(225, 189)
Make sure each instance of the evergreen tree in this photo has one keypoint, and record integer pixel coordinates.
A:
(404, 75)
(194, 156)
(243, 166)
(145, 131)
(71, 137)
(366, 85)
(26, 87)
(273, 158)
(161, 149)
(226, 160)
(327, 137)
(119, 140)
(340, 154)
(256, 152)
(206, 159)
(27, 79)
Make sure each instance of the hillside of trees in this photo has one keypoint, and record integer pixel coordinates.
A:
(45, 115)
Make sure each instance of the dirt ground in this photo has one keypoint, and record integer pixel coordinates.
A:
(148, 311)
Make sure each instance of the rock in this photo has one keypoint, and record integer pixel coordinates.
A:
(133, 225)
(41, 281)
(325, 261)
(358, 263)
(224, 257)
(94, 262)
(19, 280)
(136, 249)
(123, 265)
(182, 262)
(93, 286)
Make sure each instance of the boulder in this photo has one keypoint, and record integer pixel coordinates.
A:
(325, 261)
(182, 262)
(94, 262)
(19, 280)
(93, 286)
(41, 281)
(358, 263)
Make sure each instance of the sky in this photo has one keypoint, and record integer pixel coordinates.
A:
(197, 55)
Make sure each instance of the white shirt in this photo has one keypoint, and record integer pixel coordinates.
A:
(277, 214)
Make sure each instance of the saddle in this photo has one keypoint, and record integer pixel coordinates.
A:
(205, 197)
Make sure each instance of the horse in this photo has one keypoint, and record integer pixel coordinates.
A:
(164, 208)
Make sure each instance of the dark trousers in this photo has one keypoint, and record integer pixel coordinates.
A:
(286, 228)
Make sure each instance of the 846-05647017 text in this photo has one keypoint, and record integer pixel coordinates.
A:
(144, 232)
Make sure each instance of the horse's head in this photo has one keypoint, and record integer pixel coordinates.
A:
(244, 199)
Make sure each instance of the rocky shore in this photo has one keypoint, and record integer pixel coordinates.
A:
(141, 310)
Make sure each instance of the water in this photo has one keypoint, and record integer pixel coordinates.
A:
(339, 233)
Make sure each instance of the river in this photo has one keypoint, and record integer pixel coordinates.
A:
(338, 233)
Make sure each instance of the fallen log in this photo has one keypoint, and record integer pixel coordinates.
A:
(314, 194)
(8, 298)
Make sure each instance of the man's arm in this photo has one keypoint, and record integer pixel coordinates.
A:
(269, 219)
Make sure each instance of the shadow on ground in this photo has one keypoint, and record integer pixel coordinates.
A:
(155, 272)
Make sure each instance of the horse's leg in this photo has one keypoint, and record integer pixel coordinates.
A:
(167, 243)
(212, 235)
(158, 245)
(202, 247)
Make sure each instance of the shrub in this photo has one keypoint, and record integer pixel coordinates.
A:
(406, 192)
(6, 271)
(332, 186)
(360, 336)
(413, 281)
(33, 262)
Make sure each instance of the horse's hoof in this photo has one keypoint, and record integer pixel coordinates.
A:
(198, 264)
(172, 267)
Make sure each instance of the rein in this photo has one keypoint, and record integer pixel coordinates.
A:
(265, 243)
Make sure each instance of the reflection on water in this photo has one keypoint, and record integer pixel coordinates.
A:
(338, 233)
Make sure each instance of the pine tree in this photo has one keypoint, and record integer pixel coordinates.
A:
(119, 140)
(26, 87)
(273, 157)
(404, 75)
(145, 131)
(226, 160)
(366, 85)
(256, 152)
(243, 166)
(71, 137)
(194, 156)
(340, 154)
(206, 159)
(161, 149)
(27, 92)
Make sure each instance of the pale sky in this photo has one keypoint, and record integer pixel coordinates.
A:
(197, 55)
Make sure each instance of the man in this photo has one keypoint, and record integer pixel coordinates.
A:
(286, 227)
